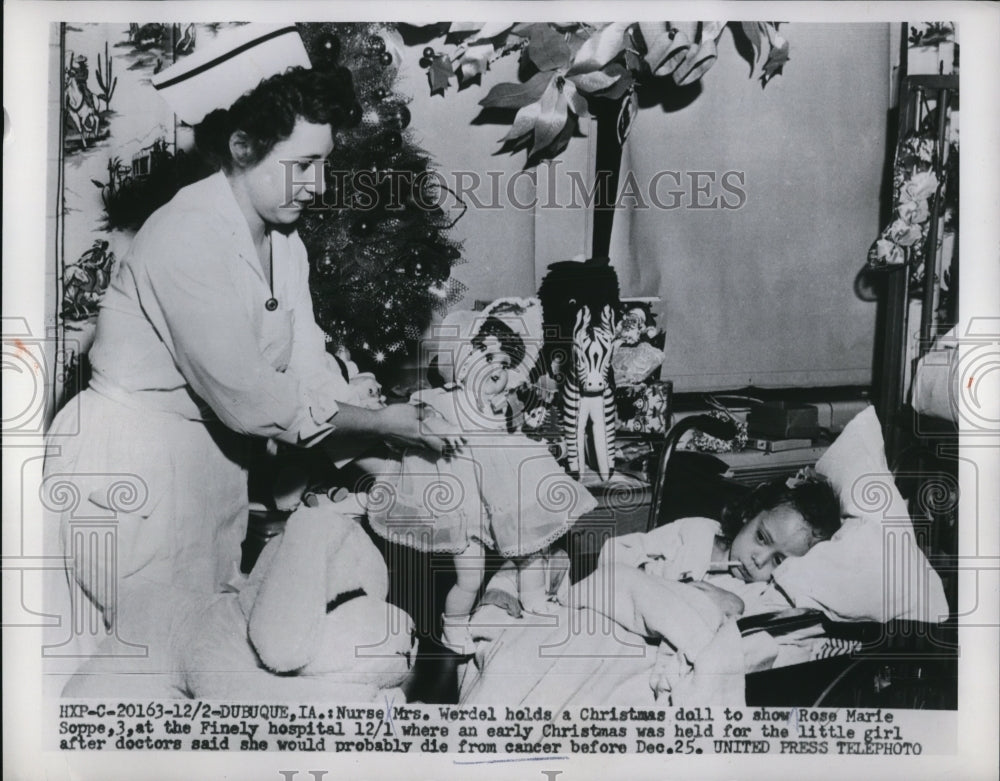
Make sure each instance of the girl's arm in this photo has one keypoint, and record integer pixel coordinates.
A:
(730, 604)
(672, 551)
(685, 617)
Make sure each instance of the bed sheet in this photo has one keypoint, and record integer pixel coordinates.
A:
(635, 640)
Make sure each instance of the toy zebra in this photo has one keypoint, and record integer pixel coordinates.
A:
(588, 395)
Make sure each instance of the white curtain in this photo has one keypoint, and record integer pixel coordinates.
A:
(763, 294)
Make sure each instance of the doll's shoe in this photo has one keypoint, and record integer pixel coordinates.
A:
(456, 635)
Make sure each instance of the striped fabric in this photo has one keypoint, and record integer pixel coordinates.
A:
(834, 646)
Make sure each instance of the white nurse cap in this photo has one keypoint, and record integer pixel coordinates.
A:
(235, 62)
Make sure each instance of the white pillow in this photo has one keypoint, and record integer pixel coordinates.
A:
(872, 568)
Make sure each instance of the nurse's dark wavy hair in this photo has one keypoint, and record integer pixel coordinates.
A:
(811, 496)
(268, 113)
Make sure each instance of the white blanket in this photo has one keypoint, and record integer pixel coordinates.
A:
(625, 639)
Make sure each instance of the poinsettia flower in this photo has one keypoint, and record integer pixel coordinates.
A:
(547, 116)
(593, 81)
(696, 63)
(690, 29)
(524, 121)
(711, 31)
(482, 30)
(752, 32)
(920, 186)
(552, 115)
(515, 95)
(473, 60)
(547, 48)
(913, 212)
(653, 31)
(777, 57)
(572, 63)
(577, 102)
(601, 47)
(904, 234)
(665, 49)
(699, 57)
(491, 30)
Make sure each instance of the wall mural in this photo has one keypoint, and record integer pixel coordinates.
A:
(122, 155)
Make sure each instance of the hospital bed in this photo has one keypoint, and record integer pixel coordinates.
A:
(895, 647)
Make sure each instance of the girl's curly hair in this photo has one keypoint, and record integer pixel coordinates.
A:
(268, 112)
(811, 496)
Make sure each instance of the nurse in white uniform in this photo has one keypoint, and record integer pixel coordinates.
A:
(206, 336)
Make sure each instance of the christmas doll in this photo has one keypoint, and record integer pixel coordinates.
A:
(502, 491)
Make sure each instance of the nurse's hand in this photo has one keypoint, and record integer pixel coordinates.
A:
(409, 426)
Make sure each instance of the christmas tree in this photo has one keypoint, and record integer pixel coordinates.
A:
(378, 243)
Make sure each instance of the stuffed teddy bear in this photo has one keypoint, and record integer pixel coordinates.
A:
(310, 623)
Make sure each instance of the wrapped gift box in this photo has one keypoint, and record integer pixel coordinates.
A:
(644, 408)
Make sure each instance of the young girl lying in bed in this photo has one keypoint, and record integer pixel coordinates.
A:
(733, 559)
(671, 596)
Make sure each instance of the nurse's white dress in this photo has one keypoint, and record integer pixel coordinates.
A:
(188, 362)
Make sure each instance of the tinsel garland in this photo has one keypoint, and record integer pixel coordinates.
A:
(381, 266)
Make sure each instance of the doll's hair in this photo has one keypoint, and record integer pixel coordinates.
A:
(811, 496)
(268, 113)
(510, 342)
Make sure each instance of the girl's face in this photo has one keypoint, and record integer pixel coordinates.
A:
(289, 177)
(768, 539)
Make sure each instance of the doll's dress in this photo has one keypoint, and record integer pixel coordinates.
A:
(503, 490)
